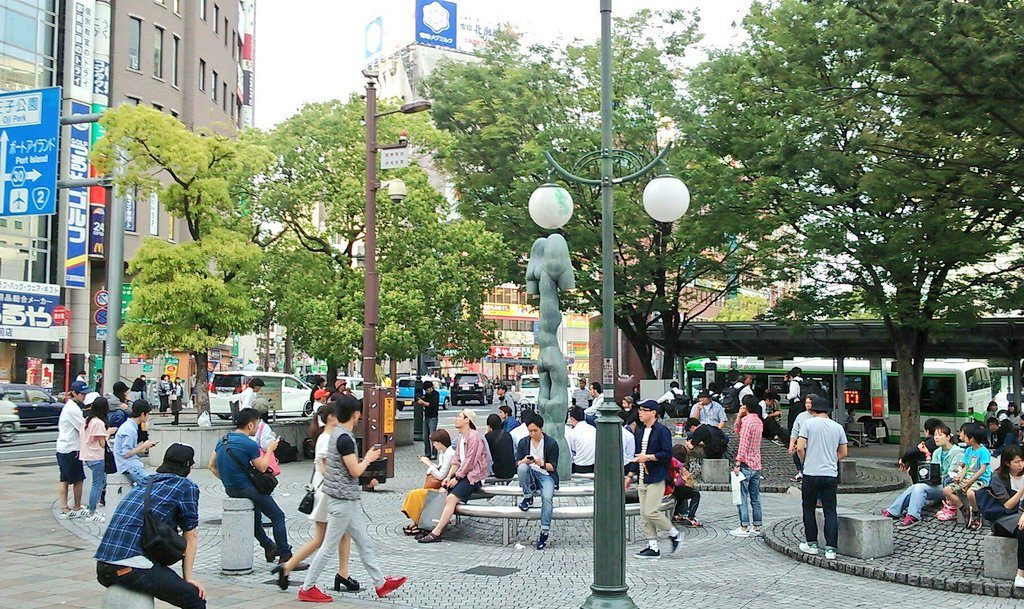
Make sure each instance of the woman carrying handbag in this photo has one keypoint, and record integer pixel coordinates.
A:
(417, 498)
(321, 427)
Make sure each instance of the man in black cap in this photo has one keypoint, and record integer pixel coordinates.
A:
(649, 469)
(821, 444)
(174, 500)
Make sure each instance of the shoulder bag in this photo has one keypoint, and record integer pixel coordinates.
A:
(265, 482)
(307, 502)
(161, 542)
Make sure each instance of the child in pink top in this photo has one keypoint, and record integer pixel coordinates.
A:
(92, 452)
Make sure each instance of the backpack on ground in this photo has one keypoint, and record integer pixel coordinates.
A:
(286, 453)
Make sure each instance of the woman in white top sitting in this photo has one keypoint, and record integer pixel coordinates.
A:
(324, 423)
(416, 498)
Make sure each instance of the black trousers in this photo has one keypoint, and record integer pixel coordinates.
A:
(823, 488)
(160, 582)
(582, 469)
(687, 501)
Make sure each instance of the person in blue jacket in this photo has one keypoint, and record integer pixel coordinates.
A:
(649, 470)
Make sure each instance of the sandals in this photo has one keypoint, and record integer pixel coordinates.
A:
(429, 538)
(694, 522)
(412, 530)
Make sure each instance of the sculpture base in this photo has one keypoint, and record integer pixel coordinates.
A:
(608, 599)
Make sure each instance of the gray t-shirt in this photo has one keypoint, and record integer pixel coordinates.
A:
(823, 437)
(799, 421)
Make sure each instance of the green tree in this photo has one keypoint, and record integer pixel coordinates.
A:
(518, 101)
(434, 270)
(743, 308)
(192, 295)
(887, 136)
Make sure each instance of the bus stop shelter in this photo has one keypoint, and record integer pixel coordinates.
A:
(995, 337)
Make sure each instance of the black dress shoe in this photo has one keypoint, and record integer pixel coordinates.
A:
(282, 577)
(350, 584)
(270, 553)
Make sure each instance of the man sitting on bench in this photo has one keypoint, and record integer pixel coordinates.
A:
(537, 458)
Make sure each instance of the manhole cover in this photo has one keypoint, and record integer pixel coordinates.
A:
(492, 571)
(46, 549)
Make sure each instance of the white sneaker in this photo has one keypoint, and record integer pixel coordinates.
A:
(830, 553)
(96, 517)
(739, 532)
(1018, 582)
(80, 513)
(754, 532)
(809, 548)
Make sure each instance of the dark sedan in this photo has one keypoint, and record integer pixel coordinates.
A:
(36, 407)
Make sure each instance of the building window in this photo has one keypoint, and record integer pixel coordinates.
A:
(233, 103)
(225, 31)
(134, 101)
(224, 96)
(157, 106)
(158, 52)
(177, 7)
(175, 50)
(202, 9)
(202, 74)
(215, 81)
(216, 19)
(234, 44)
(134, 42)
(174, 113)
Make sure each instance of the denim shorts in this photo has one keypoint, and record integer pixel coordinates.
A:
(463, 489)
(71, 470)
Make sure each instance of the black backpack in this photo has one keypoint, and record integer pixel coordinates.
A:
(731, 399)
(286, 453)
(808, 387)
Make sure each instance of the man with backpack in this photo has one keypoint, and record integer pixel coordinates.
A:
(677, 403)
(799, 391)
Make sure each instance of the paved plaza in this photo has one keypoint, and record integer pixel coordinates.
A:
(47, 562)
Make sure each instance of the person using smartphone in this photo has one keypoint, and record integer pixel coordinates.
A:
(537, 460)
(127, 448)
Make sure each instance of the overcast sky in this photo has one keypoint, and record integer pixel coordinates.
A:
(313, 50)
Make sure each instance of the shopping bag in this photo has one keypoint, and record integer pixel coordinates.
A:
(433, 505)
(735, 479)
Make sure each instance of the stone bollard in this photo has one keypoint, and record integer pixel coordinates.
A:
(117, 487)
(404, 431)
(715, 471)
(863, 536)
(236, 528)
(1000, 556)
(847, 472)
(123, 598)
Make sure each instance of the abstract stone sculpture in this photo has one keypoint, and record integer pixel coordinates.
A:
(548, 271)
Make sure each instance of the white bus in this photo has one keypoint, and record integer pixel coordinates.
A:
(952, 390)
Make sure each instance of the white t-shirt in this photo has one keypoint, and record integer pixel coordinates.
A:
(582, 441)
(592, 410)
(246, 399)
(671, 395)
(643, 450)
(69, 428)
(798, 421)
(323, 443)
(745, 390)
(265, 435)
(538, 454)
(628, 445)
(518, 434)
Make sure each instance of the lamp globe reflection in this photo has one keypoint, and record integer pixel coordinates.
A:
(666, 198)
(550, 206)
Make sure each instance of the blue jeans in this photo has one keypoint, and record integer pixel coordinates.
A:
(750, 490)
(265, 504)
(136, 475)
(99, 481)
(913, 499)
(429, 427)
(530, 480)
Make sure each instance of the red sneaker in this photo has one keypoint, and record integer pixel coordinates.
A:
(315, 595)
(390, 585)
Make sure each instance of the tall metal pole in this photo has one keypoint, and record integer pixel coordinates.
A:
(372, 286)
(609, 588)
(115, 281)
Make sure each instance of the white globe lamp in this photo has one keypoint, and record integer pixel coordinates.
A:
(550, 206)
(666, 198)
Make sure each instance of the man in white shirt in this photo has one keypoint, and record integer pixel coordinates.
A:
(69, 434)
(628, 443)
(247, 399)
(520, 431)
(676, 401)
(597, 393)
(582, 440)
(745, 387)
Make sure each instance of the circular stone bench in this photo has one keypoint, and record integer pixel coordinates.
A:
(514, 490)
(123, 598)
(510, 513)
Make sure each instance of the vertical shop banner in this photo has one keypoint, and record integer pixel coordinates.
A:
(78, 74)
(100, 101)
(77, 237)
(129, 211)
(154, 214)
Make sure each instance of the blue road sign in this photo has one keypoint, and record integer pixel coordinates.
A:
(29, 152)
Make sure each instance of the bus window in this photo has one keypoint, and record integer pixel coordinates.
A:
(938, 395)
(978, 379)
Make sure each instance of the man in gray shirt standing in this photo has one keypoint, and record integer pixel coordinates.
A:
(581, 396)
(821, 444)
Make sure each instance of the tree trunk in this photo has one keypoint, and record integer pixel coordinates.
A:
(332, 373)
(910, 367)
(288, 354)
(202, 395)
(668, 364)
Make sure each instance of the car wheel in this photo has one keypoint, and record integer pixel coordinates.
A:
(307, 408)
(7, 433)
(447, 403)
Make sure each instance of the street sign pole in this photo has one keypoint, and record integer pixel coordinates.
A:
(115, 282)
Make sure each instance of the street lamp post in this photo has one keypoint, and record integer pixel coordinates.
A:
(372, 396)
(665, 199)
